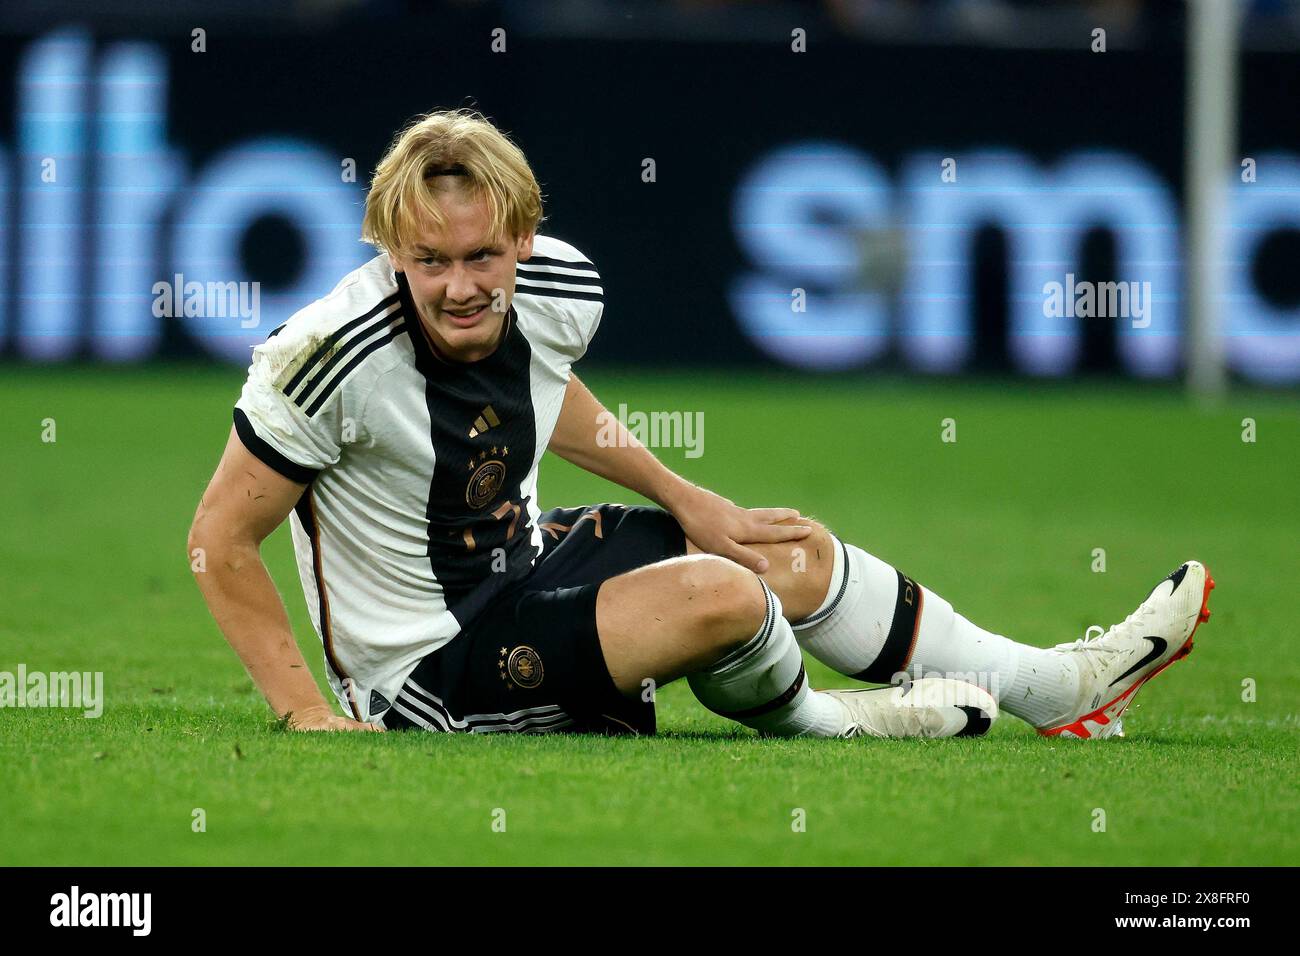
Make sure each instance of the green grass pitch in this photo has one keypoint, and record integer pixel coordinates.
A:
(1003, 523)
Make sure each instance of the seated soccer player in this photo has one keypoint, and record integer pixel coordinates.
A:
(399, 423)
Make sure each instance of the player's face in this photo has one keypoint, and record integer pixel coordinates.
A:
(461, 283)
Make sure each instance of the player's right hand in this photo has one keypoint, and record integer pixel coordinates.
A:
(717, 525)
(322, 718)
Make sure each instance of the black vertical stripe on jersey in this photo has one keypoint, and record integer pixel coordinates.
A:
(894, 656)
(456, 394)
(307, 515)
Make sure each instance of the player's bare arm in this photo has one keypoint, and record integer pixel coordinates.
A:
(244, 502)
(713, 524)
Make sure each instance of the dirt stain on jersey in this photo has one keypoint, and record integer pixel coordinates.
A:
(285, 359)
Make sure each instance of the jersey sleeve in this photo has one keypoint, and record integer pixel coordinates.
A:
(586, 319)
(579, 322)
(562, 282)
(294, 438)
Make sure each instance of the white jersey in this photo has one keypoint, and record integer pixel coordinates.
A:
(421, 503)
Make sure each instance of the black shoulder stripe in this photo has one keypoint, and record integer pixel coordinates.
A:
(550, 275)
(525, 289)
(378, 325)
(357, 359)
(267, 455)
(333, 340)
(545, 261)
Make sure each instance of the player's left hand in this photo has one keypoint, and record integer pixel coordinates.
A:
(720, 526)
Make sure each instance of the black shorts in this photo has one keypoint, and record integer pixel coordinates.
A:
(532, 661)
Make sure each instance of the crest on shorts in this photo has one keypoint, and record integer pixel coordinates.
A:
(521, 667)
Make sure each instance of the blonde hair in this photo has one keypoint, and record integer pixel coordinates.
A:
(480, 156)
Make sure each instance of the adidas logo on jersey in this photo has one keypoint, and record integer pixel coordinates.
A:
(487, 419)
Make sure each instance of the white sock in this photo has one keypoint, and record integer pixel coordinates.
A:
(763, 684)
(877, 623)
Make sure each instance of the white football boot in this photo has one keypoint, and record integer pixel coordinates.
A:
(1113, 665)
(929, 707)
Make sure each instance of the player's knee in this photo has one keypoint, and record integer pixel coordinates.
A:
(724, 601)
(815, 550)
(817, 546)
(801, 573)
